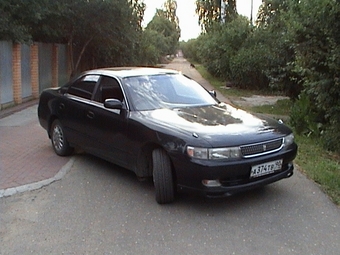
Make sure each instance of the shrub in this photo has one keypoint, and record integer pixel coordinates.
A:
(246, 67)
(303, 117)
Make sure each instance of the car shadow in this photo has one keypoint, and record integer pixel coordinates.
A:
(260, 197)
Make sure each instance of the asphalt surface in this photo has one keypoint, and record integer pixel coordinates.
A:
(85, 205)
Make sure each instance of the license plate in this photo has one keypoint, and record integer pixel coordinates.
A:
(265, 168)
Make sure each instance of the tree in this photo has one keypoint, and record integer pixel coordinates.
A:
(217, 48)
(106, 39)
(169, 13)
(114, 37)
(314, 30)
(272, 33)
(168, 31)
(102, 32)
(165, 23)
(19, 17)
(190, 49)
(112, 30)
(269, 12)
(230, 10)
(209, 12)
(151, 47)
(138, 10)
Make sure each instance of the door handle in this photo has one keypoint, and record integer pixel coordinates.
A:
(90, 114)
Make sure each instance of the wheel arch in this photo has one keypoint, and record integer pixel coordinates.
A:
(144, 160)
(50, 121)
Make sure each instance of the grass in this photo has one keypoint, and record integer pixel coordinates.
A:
(220, 85)
(319, 165)
(313, 160)
(217, 83)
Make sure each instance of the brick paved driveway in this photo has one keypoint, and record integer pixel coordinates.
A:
(26, 155)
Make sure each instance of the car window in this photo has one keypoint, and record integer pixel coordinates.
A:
(166, 91)
(84, 86)
(108, 88)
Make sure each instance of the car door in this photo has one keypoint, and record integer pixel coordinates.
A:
(107, 127)
(74, 110)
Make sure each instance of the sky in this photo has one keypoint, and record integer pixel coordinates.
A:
(188, 20)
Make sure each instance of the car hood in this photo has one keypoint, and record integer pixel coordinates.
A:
(218, 124)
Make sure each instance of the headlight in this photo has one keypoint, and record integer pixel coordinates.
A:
(214, 153)
(195, 152)
(289, 139)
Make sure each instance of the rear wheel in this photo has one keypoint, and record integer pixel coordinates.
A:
(59, 141)
(162, 177)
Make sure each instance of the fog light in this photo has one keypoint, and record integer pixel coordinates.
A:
(211, 183)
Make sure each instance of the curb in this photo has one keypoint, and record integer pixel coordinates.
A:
(37, 185)
(17, 108)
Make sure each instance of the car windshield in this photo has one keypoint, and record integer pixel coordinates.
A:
(166, 91)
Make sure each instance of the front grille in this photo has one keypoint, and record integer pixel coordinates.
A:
(253, 150)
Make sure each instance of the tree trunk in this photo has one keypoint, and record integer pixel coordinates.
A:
(76, 66)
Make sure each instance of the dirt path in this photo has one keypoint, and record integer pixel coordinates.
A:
(182, 65)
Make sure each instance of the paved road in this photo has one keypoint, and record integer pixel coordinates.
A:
(99, 208)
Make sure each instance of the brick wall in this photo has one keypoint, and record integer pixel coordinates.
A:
(16, 67)
(34, 55)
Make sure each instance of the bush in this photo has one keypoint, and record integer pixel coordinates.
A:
(303, 117)
(216, 48)
(331, 138)
(315, 32)
(246, 68)
(190, 49)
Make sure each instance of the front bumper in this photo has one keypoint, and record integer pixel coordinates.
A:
(224, 191)
(233, 177)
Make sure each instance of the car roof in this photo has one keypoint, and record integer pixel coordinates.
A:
(124, 72)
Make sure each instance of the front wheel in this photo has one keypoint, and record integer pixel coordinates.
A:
(162, 177)
(59, 141)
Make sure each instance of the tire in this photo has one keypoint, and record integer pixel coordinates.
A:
(59, 142)
(162, 177)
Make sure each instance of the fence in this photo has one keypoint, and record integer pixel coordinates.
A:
(25, 70)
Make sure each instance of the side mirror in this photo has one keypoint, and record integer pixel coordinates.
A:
(213, 93)
(113, 104)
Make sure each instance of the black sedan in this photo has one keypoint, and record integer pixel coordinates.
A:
(160, 124)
